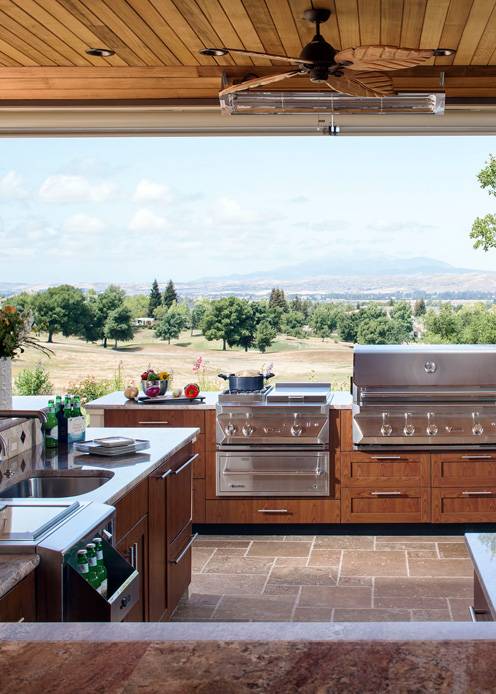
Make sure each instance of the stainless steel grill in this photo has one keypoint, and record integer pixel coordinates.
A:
(424, 396)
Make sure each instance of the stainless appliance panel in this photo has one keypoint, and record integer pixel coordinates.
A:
(272, 473)
(304, 426)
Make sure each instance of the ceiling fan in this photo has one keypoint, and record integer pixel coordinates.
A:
(353, 71)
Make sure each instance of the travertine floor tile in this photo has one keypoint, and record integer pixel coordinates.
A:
(281, 589)
(422, 554)
(379, 545)
(225, 564)
(413, 602)
(303, 575)
(298, 538)
(459, 609)
(291, 561)
(420, 538)
(348, 615)
(440, 567)
(279, 549)
(370, 563)
(255, 607)
(338, 596)
(228, 584)
(312, 614)
(424, 587)
(344, 542)
(226, 543)
(325, 557)
(451, 550)
(431, 616)
(200, 556)
(355, 581)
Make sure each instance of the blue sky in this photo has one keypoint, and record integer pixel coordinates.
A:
(126, 210)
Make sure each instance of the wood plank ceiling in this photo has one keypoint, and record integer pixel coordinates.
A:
(43, 44)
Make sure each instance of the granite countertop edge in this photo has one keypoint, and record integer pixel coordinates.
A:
(15, 567)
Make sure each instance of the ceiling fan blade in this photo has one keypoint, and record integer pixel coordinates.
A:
(383, 57)
(254, 54)
(259, 82)
(378, 82)
(351, 87)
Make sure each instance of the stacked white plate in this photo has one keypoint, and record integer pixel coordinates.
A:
(112, 445)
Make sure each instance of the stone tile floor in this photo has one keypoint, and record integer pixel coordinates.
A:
(336, 578)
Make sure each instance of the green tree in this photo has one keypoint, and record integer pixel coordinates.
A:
(277, 299)
(170, 294)
(420, 308)
(293, 323)
(170, 322)
(60, 309)
(154, 300)
(348, 326)
(108, 301)
(119, 325)
(198, 314)
(377, 331)
(484, 228)
(230, 320)
(324, 320)
(442, 326)
(264, 336)
(402, 318)
(35, 381)
(138, 304)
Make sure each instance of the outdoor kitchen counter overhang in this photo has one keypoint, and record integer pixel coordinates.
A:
(272, 656)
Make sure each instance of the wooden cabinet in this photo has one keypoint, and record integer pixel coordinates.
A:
(346, 430)
(199, 495)
(396, 505)
(464, 504)
(19, 604)
(274, 510)
(134, 547)
(471, 468)
(130, 509)
(170, 514)
(382, 470)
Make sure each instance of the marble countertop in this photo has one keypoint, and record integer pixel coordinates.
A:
(127, 470)
(482, 548)
(251, 657)
(15, 567)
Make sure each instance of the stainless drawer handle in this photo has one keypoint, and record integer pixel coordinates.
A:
(186, 464)
(154, 422)
(385, 493)
(474, 612)
(478, 493)
(19, 621)
(388, 457)
(272, 510)
(166, 474)
(181, 556)
(476, 457)
(273, 473)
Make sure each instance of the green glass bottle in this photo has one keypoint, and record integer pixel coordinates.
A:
(58, 403)
(100, 565)
(77, 406)
(51, 429)
(94, 578)
(82, 563)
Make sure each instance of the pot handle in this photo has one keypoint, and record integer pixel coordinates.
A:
(224, 376)
(267, 376)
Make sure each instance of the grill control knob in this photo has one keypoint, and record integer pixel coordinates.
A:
(386, 428)
(409, 428)
(231, 429)
(477, 429)
(432, 428)
(296, 430)
(247, 430)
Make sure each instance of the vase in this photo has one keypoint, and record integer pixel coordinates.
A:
(5, 383)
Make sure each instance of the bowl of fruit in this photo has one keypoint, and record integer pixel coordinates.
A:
(154, 383)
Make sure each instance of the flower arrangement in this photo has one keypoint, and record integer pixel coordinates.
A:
(15, 333)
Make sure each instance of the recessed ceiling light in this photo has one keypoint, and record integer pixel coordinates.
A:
(444, 51)
(214, 51)
(100, 52)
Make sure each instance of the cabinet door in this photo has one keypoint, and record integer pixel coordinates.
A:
(18, 605)
(130, 508)
(464, 504)
(454, 469)
(134, 547)
(385, 469)
(179, 494)
(399, 505)
(179, 567)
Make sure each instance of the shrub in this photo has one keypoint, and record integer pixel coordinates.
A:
(35, 381)
(91, 388)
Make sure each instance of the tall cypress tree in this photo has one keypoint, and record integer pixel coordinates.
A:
(170, 294)
(155, 299)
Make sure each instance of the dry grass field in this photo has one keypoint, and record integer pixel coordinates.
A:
(292, 358)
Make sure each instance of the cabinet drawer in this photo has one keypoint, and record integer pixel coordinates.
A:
(395, 505)
(130, 509)
(179, 491)
(148, 417)
(462, 504)
(278, 510)
(18, 605)
(178, 567)
(467, 469)
(385, 470)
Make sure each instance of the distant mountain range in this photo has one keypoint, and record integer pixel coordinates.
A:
(360, 276)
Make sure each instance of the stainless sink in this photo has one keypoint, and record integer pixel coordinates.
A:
(46, 485)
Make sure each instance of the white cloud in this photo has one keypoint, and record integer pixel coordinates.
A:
(226, 210)
(12, 186)
(146, 220)
(147, 190)
(65, 188)
(81, 223)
